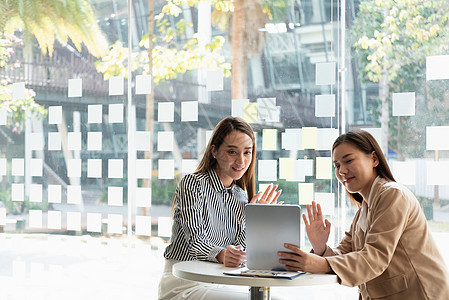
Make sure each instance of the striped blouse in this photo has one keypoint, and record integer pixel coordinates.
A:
(207, 218)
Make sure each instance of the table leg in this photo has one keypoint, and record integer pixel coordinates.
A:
(259, 293)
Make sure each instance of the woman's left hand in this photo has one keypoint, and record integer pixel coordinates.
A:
(298, 260)
(270, 195)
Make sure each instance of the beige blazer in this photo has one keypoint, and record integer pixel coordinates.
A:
(389, 252)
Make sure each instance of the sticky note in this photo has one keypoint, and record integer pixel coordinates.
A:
(116, 85)
(309, 137)
(267, 110)
(143, 84)
(267, 170)
(437, 172)
(95, 114)
(54, 193)
(143, 168)
(323, 168)
(292, 139)
(115, 168)
(143, 225)
(437, 67)
(74, 140)
(403, 104)
(94, 168)
(262, 187)
(17, 166)
(286, 168)
(326, 201)
(376, 133)
(163, 227)
(325, 138)
(142, 140)
(18, 90)
(17, 192)
(166, 111)
(305, 191)
(94, 141)
(115, 223)
(35, 218)
(55, 115)
(36, 166)
(115, 113)
(75, 87)
(250, 112)
(325, 73)
(189, 111)
(269, 139)
(115, 195)
(188, 166)
(404, 172)
(166, 169)
(54, 219)
(434, 138)
(3, 116)
(74, 167)
(74, 194)
(165, 140)
(74, 220)
(238, 107)
(2, 166)
(325, 106)
(37, 141)
(305, 166)
(143, 197)
(93, 222)
(214, 80)
(36, 192)
(54, 141)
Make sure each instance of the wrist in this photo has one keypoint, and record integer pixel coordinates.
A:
(220, 256)
(319, 250)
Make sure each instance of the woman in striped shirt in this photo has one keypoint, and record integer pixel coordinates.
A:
(209, 216)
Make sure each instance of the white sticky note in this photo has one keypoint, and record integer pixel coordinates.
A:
(325, 106)
(238, 107)
(436, 138)
(304, 167)
(36, 167)
(95, 114)
(2, 166)
(115, 113)
(166, 169)
(325, 73)
(286, 168)
(188, 166)
(18, 166)
(269, 139)
(164, 227)
(305, 191)
(404, 172)
(143, 197)
(17, 192)
(267, 170)
(55, 115)
(54, 193)
(325, 138)
(35, 218)
(142, 140)
(54, 141)
(292, 139)
(94, 168)
(165, 140)
(36, 192)
(189, 111)
(74, 141)
(115, 195)
(250, 112)
(437, 67)
(18, 90)
(143, 84)
(143, 225)
(74, 194)
(75, 87)
(115, 168)
(437, 172)
(115, 224)
(376, 133)
(94, 141)
(165, 111)
(3, 216)
(74, 220)
(403, 104)
(309, 137)
(214, 80)
(326, 201)
(267, 110)
(298, 173)
(3, 116)
(74, 167)
(54, 219)
(323, 168)
(143, 168)
(93, 222)
(37, 141)
(116, 85)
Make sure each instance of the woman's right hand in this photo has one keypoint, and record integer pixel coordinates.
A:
(232, 256)
(317, 230)
(270, 196)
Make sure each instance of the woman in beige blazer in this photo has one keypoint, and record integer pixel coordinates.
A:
(388, 252)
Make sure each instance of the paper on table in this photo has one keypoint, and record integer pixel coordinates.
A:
(54, 193)
(115, 113)
(143, 84)
(404, 172)
(325, 106)
(94, 168)
(189, 111)
(269, 139)
(143, 225)
(54, 141)
(166, 169)
(115, 195)
(434, 140)
(143, 168)
(267, 170)
(93, 222)
(143, 197)
(214, 80)
(95, 114)
(116, 85)
(55, 115)
(323, 168)
(403, 104)
(325, 73)
(74, 141)
(74, 194)
(437, 67)
(74, 167)
(305, 191)
(326, 201)
(166, 111)
(238, 107)
(36, 192)
(165, 140)
(75, 87)
(115, 168)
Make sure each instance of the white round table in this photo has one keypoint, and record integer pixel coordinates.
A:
(259, 287)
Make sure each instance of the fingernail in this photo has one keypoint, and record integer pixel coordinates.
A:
(280, 191)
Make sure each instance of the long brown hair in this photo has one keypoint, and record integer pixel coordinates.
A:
(366, 143)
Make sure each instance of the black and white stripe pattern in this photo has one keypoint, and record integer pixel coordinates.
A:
(207, 218)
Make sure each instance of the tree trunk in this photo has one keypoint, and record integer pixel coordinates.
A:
(238, 28)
